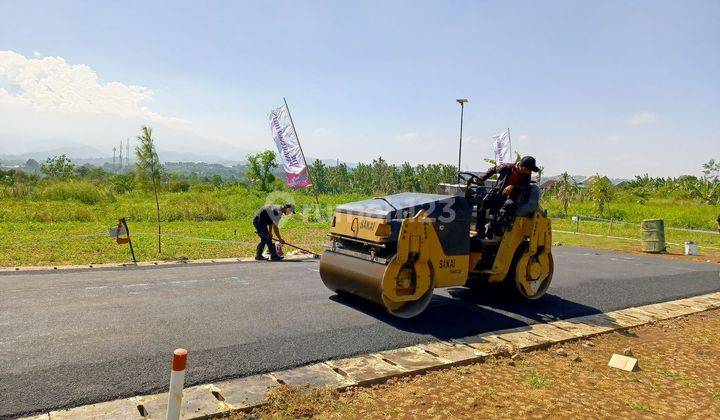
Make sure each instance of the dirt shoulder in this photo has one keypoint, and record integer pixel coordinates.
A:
(679, 376)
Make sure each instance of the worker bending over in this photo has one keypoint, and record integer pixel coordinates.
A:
(513, 180)
(266, 222)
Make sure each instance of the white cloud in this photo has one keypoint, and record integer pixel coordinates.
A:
(47, 102)
(641, 118)
(523, 137)
(407, 137)
(52, 85)
(37, 54)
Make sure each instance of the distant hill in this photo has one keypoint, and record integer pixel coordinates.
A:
(203, 170)
(76, 152)
(83, 155)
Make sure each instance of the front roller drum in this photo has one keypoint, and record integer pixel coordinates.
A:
(365, 279)
(533, 275)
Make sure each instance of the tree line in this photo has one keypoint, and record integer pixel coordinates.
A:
(376, 178)
(263, 173)
(601, 191)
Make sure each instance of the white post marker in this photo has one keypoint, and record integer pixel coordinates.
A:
(177, 382)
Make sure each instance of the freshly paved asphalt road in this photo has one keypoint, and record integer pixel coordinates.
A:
(73, 338)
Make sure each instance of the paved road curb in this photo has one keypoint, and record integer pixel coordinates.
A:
(173, 263)
(244, 394)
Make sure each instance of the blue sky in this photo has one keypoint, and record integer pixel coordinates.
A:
(615, 87)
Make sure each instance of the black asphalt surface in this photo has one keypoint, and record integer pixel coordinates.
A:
(74, 338)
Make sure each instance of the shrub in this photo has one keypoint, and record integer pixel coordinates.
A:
(82, 192)
(123, 183)
(197, 207)
(17, 191)
(175, 185)
(202, 187)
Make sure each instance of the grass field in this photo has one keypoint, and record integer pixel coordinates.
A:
(70, 225)
(208, 224)
(676, 213)
(623, 233)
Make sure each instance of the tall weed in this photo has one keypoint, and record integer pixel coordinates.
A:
(82, 192)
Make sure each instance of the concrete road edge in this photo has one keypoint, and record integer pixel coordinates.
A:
(244, 394)
(42, 269)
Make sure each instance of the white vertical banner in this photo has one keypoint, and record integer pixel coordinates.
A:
(501, 147)
(288, 147)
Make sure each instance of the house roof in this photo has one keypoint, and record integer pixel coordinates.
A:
(548, 184)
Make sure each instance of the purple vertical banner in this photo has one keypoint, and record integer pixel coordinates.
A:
(289, 149)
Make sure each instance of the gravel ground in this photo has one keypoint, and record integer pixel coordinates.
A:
(678, 377)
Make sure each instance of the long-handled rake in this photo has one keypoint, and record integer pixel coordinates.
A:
(299, 248)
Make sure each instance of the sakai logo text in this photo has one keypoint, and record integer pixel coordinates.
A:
(447, 263)
(367, 225)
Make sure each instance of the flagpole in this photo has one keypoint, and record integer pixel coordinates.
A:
(510, 145)
(307, 167)
(462, 102)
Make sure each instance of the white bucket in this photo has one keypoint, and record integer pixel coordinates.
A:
(691, 248)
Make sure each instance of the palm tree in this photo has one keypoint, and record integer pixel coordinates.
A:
(565, 190)
(148, 167)
(602, 192)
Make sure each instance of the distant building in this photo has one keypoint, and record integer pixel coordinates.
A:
(548, 185)
(587, 181)
(616, 182)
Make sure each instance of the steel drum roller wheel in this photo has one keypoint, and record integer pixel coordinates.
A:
(348, 275)
(530, 268)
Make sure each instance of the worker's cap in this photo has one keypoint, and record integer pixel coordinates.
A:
(529, 162)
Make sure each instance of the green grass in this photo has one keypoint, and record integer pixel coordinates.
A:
(209, 224)
(67, 223)
(627, 216)
(636, 405)
(68, 203)
(667, 374)
(709, 242)
(676, 213)
(535, 379)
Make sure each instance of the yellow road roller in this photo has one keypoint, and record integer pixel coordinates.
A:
(395, 250)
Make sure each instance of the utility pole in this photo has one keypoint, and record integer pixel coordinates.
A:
(127, 154)
(114, 171)
(462, 103)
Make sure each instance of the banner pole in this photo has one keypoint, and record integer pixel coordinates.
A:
(307, 167)
(510, 145)
(462, 111)
(462, 102)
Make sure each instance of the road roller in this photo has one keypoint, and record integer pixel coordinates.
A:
(395, 250)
